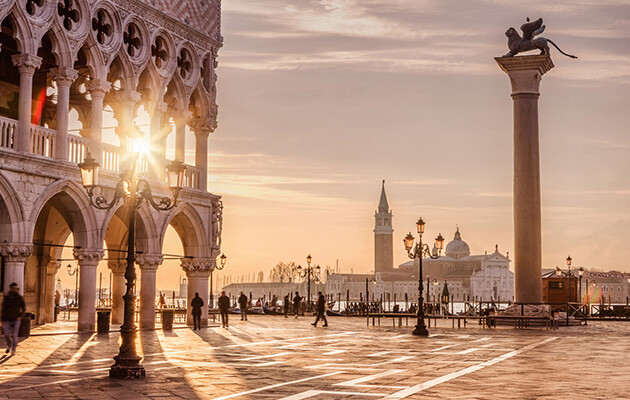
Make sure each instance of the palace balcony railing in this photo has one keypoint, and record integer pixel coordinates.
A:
(43, 145)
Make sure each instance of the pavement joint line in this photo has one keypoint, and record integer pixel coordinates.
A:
(443, 347)
(468, 351)
(473, 368)
(359, 381)
(395, 360)
(311, 393)
(261, 389)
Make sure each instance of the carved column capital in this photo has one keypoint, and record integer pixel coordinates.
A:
(149, 261)
(202, 126)
(181, 116)
(53, 267)
(126, 96)
(198, 266)
(117, 267)
(525, 72)
(88, 256)
(97, 87)
(16, 252)
(26, 63)
(64, 76)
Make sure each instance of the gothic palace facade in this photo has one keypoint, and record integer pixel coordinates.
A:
(81, 62)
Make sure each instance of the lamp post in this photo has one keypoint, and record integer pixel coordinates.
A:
(570, 275)
(223, 260)
(74, 272)
(367, 294)
(419, 250)
(134, 191)
(308, 273)
(580, 273)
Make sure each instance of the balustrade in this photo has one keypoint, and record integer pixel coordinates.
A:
(43, 144)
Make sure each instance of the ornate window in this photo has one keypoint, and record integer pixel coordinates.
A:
(102, 27)
(184, 64)
(159, 53)
(68, 13)
(131, 39)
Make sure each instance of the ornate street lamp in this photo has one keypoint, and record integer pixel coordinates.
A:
(580, 273)
(308, 273)
(420, 250)
(218, 267)
(134, 191)
(74, 272)
(367, 294)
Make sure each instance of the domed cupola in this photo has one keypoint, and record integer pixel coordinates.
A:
(457, 248)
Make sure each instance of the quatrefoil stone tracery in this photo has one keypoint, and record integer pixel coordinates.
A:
(159, 53)
(132, 40)
(184, 64)
(101, 26)
(68, 13)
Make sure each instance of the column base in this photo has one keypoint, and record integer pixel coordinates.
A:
(420, 330)
(86, 327)
(127, 372)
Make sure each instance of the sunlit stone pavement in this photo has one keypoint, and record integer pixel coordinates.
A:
(275, 358)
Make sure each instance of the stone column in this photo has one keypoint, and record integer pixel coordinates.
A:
(160, 129)
(124, 103)
(181, 119)
(88, 260)
(27, 64)
(118, 268)
(51, 271)
(97, 89)
(64, 77)
(202, 128)
(148, 267)
(198, 271)
(14, 256)
(525, 73)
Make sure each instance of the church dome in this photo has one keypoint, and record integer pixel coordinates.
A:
(457, 248)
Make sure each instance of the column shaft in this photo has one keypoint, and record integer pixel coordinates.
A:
(97, 89)
(201, 159)
(27, 64)
(197, 284)
(87, 296)
(64, 78)
(147, 298)
(180, 140)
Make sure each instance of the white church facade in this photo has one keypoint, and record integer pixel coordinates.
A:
(468, 277)
(113, 60)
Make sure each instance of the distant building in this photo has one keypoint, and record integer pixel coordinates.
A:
(467, 276)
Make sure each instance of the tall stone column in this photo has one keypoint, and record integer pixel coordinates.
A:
(160, 128)
(181, 120)
(198, 271)
(51, 271)
(14, 256)
(118, 268)
(202, 128)
(88, 261)
(27, 64)
(525, 73)
(97, 89)
(124, 103)
(149, 264)
(64, 77)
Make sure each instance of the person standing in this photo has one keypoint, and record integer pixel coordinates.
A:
(224, 306)
(321, 309)
(287, 304)
(196, 304)
(242, 303)
(13, 309)
(296, 304)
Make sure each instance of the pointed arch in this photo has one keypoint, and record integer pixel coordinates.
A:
(115, 229)
(175, 95)
(60, 47)
(11, 223)
(190, 228)
(22, 33)
(79, 214)
(199, 103)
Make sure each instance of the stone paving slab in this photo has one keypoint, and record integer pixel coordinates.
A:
(272, 357)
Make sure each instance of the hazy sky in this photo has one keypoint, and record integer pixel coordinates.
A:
(320, 100)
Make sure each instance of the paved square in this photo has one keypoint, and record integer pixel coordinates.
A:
(276, 358)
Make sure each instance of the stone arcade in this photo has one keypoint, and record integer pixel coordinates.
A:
(91, 58)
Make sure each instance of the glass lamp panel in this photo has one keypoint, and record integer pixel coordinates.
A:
(569, 259)
(89, 172)
(439, 242)
(408, 240)
(420, 225)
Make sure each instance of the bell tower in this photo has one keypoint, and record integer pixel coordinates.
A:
(383, 236)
